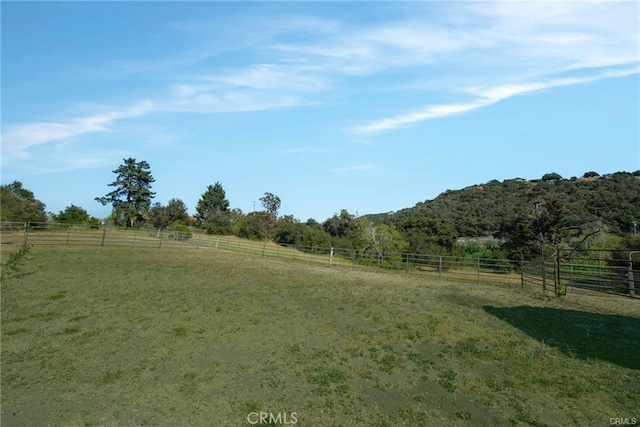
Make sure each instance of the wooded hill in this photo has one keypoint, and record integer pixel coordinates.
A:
(482, 210)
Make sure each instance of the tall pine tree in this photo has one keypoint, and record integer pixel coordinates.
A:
(132, 197)
(212, 203)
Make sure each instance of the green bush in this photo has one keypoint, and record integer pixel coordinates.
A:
(182, 232)
(253, 227)
(219, 223)
(491, 254)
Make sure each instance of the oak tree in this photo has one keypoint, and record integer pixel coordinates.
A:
(19, 204)
(271, 205)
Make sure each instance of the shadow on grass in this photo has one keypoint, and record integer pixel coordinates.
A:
(607, 337)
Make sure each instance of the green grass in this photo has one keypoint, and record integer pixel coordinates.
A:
(134, 336)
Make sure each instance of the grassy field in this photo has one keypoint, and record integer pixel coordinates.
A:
(142, 336)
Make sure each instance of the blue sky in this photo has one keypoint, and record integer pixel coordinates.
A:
(365, 106)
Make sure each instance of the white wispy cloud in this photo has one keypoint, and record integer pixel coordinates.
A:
(259, 88)
(504, 42)
(273, 77)
(485, 96)
(255, 87)
(66, 158)
(231, 102)
(434, 112)
(561, 36)
(500, 49)
(18, 139)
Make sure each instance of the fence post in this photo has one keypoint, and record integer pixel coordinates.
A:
(571, 281)
(217, 242)
(104, 235)
(632, 287)
(26, 233)
(161, 238)
(632, 279)
(478, 270)
(440, 267)
(331, 257)
(560, 289)
(544, 277)
(599, 271)
(135, 233)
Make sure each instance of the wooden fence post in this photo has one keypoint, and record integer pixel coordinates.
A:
(632, 279)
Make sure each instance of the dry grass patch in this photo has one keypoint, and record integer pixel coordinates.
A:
(106, 336)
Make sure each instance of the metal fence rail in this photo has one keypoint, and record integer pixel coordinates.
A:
(51, 234)
(558, 277)
(611, 279)
(548, 276)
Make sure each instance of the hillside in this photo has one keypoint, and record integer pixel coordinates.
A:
(479, 210)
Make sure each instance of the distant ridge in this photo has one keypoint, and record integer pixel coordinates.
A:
(479, 210)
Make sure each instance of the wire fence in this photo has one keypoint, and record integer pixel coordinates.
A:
(53, 234)
(558, 277)
(554, 277)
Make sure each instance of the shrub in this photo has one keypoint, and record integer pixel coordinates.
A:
(11, 264)
(219, 223)
(182, 232)
(253, 227)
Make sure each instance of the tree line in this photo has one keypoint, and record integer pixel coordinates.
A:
(519, 216)
(517, 219)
